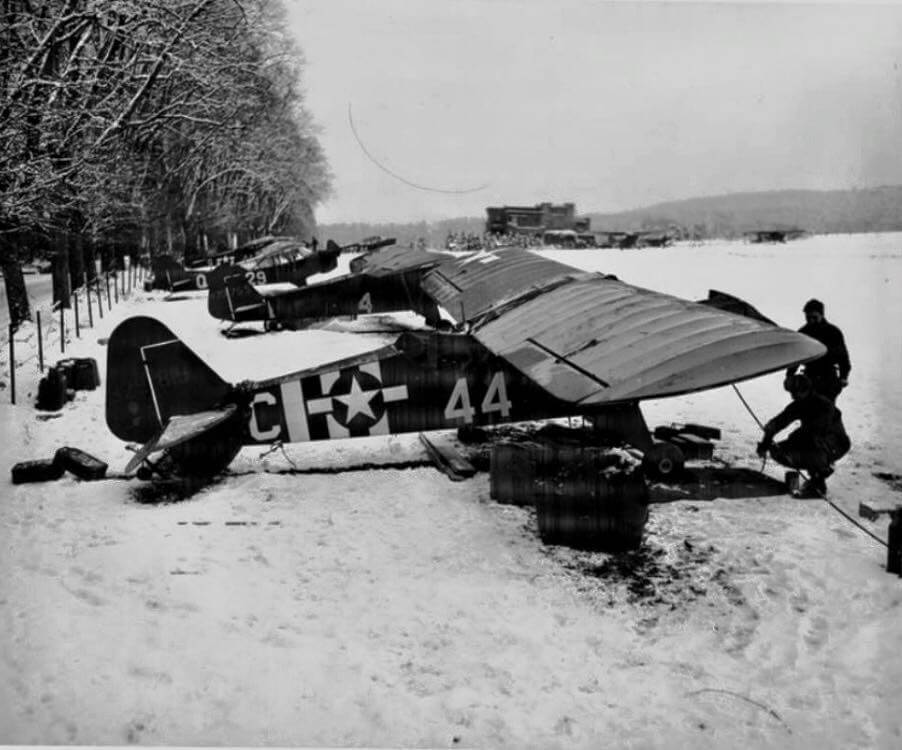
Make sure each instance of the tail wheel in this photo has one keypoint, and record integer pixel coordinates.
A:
(271, 324)
(663, 461)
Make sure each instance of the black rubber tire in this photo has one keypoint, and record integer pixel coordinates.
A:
(85, 374)
(81, 464)
(67, 367)
(42, 470)
(663, 461)
(52, 390)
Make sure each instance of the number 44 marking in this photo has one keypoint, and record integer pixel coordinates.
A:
(495, 400)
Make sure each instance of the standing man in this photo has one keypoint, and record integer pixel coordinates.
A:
(828, 374)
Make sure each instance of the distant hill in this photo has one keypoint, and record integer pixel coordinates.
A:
(816, 211)
(819, 212)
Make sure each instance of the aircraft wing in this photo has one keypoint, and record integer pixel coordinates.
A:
(179, 429)
(591, 339)
(393, 260)
(279, 247)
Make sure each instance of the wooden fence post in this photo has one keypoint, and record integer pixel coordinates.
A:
(12, 363)
(88, 301)
(62, 329)
(40, 341)
(77, 328)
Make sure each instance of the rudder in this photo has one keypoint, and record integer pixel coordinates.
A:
(151, 376)
(231, 296)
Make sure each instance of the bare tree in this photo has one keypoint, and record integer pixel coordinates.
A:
(138, 121)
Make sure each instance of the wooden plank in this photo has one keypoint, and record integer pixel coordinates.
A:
(447, 459)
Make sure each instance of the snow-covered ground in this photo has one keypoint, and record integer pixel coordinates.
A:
(393, 607)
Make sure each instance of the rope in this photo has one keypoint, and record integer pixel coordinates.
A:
(821, 495)
(850, 519)
(279, 445)
(746, 405)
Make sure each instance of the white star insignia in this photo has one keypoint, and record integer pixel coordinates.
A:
(358, 400)
(483, 256)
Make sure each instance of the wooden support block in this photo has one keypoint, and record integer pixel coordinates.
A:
(447, 459)
(665, 433)
(700, 430)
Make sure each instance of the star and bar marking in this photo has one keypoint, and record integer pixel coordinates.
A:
(356, 402)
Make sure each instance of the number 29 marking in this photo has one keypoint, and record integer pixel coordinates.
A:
(495, 400)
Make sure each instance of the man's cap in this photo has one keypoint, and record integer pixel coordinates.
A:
(814, 305)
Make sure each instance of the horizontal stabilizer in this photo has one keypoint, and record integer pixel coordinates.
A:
(180, 429)
(729, 303)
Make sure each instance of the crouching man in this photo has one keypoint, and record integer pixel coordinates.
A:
(816, 444)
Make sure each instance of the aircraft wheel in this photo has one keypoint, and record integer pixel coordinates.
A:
(272, 325)
(663, 461)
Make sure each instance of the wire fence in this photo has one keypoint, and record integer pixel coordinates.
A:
(55, 325)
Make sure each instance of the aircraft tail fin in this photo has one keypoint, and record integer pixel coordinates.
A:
(333, 248)
(231, 296)
(153, 376)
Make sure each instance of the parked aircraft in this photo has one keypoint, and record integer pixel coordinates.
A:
(269, 260)
(369, 244)
(533, 339)
(774, 235)
(383, 286)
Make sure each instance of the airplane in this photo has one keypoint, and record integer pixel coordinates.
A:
(533, 339)
(268, 260)
(380, 288)
(773, 235)
(369, 244)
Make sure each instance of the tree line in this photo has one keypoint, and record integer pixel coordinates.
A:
(130, 126)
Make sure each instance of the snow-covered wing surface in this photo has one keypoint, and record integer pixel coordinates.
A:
(274, 290)
(589, 338)
(394, 259)
(179, 429)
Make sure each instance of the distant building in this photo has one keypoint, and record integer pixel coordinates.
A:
(534, 220)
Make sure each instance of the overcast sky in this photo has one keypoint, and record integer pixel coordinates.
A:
(610, 105)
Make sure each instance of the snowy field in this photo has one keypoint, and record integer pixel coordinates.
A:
(393, 607)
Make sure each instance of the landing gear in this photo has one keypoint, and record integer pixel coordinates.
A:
(624, 422)
(663, 461)
(271, 324)
(162, 468)
(203, 456)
